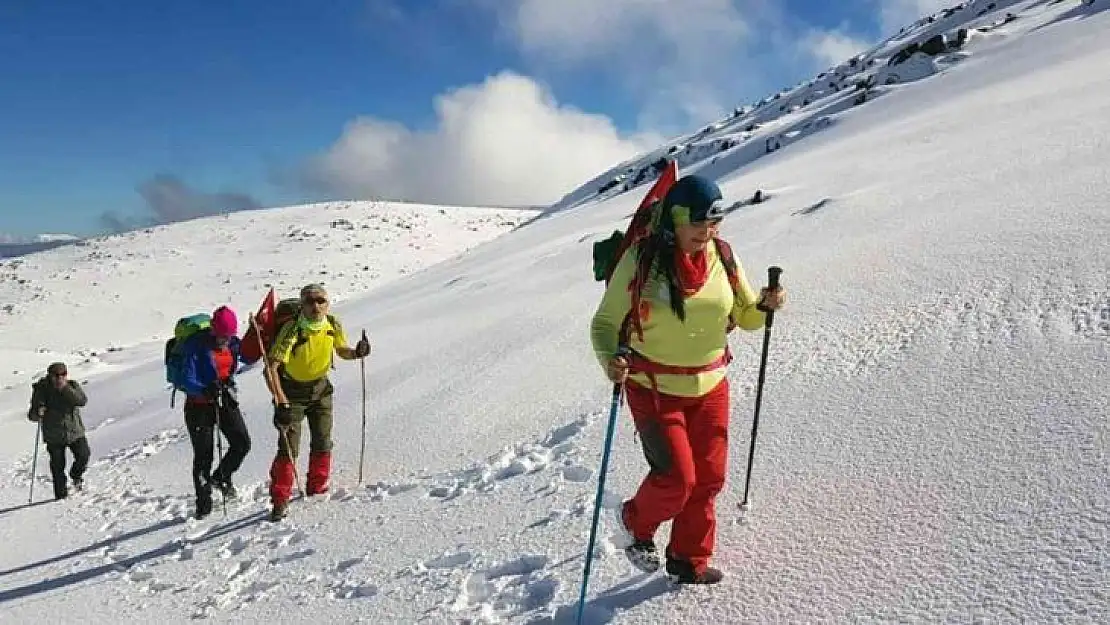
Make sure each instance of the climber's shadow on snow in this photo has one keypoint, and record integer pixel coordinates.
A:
(24, 506)
(603, 608)
(168, 548)
(108, 542)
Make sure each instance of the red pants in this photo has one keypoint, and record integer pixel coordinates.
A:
(686, 444)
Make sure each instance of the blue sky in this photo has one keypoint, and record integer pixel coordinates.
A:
(147, 111)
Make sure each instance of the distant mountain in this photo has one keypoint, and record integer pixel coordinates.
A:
(55, 238)
(13, 246)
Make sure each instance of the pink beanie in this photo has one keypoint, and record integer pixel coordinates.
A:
(224, 322)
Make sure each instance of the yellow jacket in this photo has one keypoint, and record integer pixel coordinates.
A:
(307, 354)
(699, 341)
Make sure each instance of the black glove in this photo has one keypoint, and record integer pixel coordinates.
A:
(283, 415)
(362, 349)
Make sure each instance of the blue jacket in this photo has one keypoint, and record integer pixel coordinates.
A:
(198, 368)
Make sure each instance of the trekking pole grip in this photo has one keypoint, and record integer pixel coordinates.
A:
(773, 274)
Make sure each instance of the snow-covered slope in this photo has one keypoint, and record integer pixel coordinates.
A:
(756, 130)
(932, 448)
(84, 302)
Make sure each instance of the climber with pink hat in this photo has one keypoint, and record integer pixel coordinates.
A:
(211, 361)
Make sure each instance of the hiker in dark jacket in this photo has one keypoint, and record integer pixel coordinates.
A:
(208, 375)
(56, 404)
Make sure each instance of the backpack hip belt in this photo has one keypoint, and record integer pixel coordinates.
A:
(637, 363)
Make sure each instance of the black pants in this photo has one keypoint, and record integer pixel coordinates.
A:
(80, 449)
(200, 419)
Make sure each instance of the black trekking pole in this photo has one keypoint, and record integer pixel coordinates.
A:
(35, 460)
(772, 283)
(362, 450)
(220, 444)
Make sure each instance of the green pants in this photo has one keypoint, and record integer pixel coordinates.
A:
(311, 401)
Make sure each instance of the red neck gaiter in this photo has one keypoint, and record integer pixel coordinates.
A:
(692, 270)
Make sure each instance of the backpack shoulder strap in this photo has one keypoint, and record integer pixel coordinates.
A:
(724, 252)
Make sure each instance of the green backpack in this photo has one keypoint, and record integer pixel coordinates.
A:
(174, 358)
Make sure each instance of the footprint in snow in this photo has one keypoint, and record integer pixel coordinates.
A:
(143, 449)
(285, 536)
(234, 547)
(381, 490)
(350, 589)
(557, 448)
(292, 557)
(559, 515)
(577, 473)
(509, 589)
(242, 586)
(148, 583)
(451, 561)
(345, 565)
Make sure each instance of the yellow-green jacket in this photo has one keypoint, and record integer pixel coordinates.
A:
(667, 340)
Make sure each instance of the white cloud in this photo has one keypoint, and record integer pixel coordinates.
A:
(503, 142)
(507, 141)
(573, 31)
(894, 14)
(832, 47)
(687, 63)
(679, 63)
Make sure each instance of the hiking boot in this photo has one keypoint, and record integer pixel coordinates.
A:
(682, 572)
(204, 508)
(279, 512)
(78, 484)
(642, 553)
(225, 486)
(61, 493)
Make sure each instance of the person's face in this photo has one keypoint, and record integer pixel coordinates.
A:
(315, 306)
(59, 379)
(695, 236)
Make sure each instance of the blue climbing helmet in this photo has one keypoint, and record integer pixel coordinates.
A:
(694, 198)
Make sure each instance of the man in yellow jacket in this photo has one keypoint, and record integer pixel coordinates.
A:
(300, 359)
(674, 373)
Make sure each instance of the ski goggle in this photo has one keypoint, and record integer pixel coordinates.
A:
(685, 215)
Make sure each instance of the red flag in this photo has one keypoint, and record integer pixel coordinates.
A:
(250, 348)
(641, 219)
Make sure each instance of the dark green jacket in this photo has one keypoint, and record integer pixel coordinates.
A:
(61, 422)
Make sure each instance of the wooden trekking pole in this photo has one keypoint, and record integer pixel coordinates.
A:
(362, 450)
(279, 398)
(271, 383)
(289, 449)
